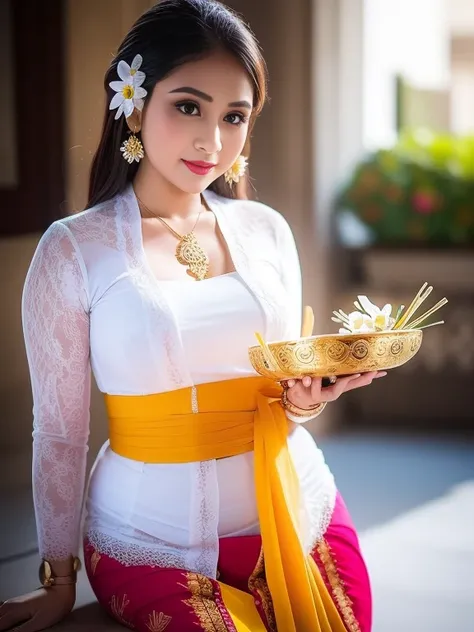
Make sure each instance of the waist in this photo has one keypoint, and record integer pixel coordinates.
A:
(198, 423)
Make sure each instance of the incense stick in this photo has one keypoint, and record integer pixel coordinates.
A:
(420, 297)
(431, 311)
(308, 322)
(440, 322)
(266, 352)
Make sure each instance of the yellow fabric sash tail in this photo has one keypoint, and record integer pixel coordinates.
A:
(222, 419)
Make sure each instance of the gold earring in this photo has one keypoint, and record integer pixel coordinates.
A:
(234, 173)
(132, 148)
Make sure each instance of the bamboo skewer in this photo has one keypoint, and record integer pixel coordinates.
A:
(431, 311)
(411, 308)
(267, 352)
(420, 297)
(308, 322)
(440, 322)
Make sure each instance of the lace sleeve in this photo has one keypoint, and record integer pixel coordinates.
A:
(56, 331)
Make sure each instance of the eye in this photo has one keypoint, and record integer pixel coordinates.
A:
(189, 108)
(236, 118)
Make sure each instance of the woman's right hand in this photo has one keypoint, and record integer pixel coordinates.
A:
(37, 610)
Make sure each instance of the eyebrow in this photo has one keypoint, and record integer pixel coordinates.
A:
(208, 98)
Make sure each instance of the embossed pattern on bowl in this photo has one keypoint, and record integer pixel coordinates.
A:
(337, 354)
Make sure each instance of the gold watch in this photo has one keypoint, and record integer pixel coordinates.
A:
(47, 578)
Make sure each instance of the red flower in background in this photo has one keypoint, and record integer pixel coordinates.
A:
(425, 201)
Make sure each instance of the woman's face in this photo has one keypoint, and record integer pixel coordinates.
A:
(198, 114)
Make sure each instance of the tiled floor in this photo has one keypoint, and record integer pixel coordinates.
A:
(412, 500)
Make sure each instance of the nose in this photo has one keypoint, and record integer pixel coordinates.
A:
(210, 141)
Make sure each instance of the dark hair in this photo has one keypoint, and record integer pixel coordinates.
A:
(167, 36)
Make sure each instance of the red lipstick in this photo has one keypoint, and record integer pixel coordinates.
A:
(199, 167)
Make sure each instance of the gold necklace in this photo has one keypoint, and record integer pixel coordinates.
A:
(188, 251)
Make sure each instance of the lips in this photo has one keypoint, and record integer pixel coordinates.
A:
(199, 167)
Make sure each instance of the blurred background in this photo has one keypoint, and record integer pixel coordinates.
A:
(367, 148)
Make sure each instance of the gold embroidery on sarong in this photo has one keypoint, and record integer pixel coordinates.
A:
(341, 598)
(118, 609)
(95, 557)
(258, 584)
(203, 602)
(158, 622)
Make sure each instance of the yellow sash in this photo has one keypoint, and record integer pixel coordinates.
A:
(222, 419)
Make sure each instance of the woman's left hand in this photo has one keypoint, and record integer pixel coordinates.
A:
(310, 391)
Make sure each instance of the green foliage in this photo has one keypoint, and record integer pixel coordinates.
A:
(421, 191)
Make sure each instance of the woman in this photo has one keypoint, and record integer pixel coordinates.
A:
(210, 507)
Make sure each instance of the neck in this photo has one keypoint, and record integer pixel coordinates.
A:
(161, 197)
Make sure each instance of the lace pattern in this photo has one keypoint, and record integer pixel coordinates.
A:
(206, 514)
(138, 552)
(320, 509)
(56, 331)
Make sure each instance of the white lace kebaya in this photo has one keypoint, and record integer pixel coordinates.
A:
(91, 300)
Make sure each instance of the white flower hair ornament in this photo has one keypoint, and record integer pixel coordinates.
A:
(129, 98)
(130, 94)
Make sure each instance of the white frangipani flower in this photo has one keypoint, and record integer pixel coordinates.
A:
(382, 318)
(366, 319)
(360, 323)
(130, 94)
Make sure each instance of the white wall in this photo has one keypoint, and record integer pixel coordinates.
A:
(461, 17)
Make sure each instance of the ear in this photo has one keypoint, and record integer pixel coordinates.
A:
(134, 121)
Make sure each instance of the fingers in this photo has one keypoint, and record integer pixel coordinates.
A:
(10, 616)
(299, 388)
(305, 381)
(300, 391)
(349, 383)
(30, 626)
(365, 380)
(331, 393)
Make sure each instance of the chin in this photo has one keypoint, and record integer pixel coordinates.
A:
(193, 186)
(197, 188)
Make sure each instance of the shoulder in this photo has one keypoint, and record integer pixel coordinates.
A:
(63, 240)
(96, 225)
(93, 222)
(253, 215)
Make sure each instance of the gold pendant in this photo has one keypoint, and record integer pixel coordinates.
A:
(189, 253)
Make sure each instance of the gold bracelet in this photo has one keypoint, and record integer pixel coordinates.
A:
(47, 577)
(314, 411)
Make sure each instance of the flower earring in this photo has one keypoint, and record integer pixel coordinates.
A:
(129, 101)
(132, 148)
(234, 173)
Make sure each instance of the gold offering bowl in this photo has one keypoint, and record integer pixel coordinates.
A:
(336, 354)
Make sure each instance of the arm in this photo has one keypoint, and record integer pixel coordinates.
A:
(56, 332)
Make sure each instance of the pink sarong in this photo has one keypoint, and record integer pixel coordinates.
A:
(155, 599)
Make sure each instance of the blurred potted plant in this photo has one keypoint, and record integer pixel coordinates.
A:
(419, 193)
